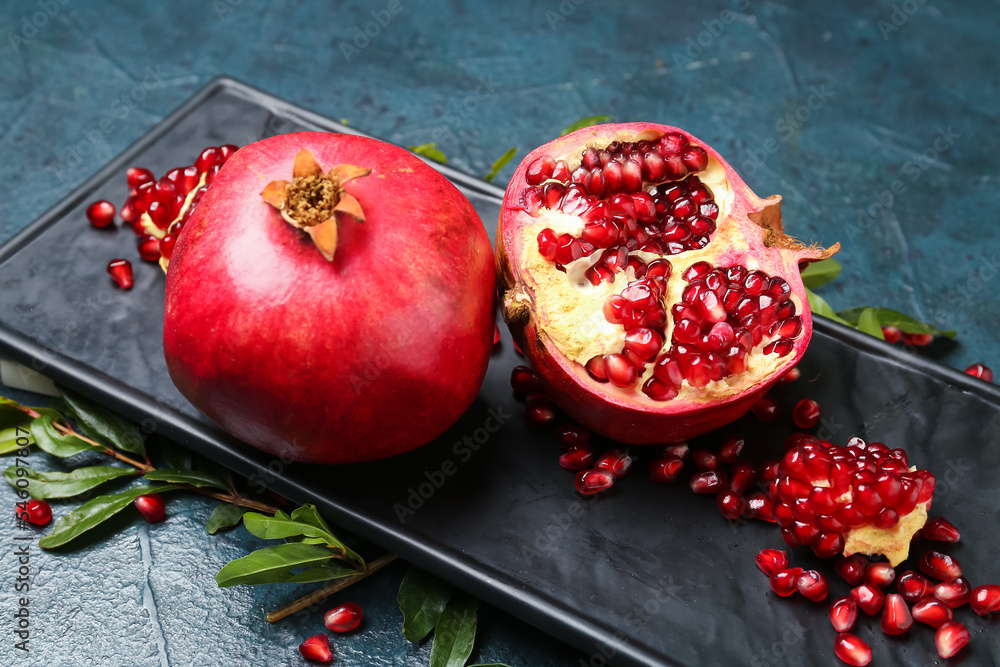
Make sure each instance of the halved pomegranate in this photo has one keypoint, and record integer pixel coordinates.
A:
(653, 291)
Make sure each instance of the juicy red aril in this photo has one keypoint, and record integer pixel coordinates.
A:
(523, 380)
(316, 648)
(539, 415)
(932, 612)
(540, 170)
(917, 340)
(743, 477)
(869, 598)
(226, 151)
(939, 529)
(569, 435)
(34, 511)
(208, 158)
(732, 446)
(731, 504)
(880, 574)
(577, 458)
(759, 506)
(843, 613)
(954, 593)
(913, 586)
(766, 409)
(615, 461)
(813, 585)
(806, 413)
(666, 469)
(981, 371)
(829, 545)
(951, 638)
(344, 618)
(708, 481)
(852, 650)
(705, 460)
(151, 507)
(101, 213)
(940, 566)
(785, 582)
(136, 176)
(896, 617)
(167, 245)
(791, 376)
(149, 248)
(772, 560)
(120, 271)
(985, 599)
(595, 480)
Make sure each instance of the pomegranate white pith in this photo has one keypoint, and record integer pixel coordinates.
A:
(636, 318)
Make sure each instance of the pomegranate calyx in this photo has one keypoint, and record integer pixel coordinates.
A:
(768, 217)
(315, 202)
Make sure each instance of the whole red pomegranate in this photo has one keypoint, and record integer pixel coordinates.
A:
(653, 291)
(330, 300)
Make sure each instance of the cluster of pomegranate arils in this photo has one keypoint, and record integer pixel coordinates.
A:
(344, 618)
(644, 198)
(817, 493)
(157, 209)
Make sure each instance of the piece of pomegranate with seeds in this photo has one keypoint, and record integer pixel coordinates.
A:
(330, 300)
(653, 292)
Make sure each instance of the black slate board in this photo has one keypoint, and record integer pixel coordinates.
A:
(643, 575)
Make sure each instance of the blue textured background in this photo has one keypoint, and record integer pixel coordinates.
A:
(829, 104)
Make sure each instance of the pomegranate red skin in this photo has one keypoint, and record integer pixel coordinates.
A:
(599, 407)
(365, 357)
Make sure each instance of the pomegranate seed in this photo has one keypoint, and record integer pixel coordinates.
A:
(709, 481)
(913, 587)
(167, 245)
(226, 151)
(577, 458)
(940, 566)
(34, 511)
(954, 593)
(732, 446)
(572, 434)
(771, 561)
(813, 585)
(759, 506)
(523, 380)
(980, 371)
(917, 340)
(705, 460)
(680, 449)
(852, 650)
(743, 477)
(985, 599)
(870, 599)
(344, 618)
(806, 413)
(136, 176)
(843, 613)
(539, 416)
(317, 648)
(615, 461)
(932, 612)
(620, 370)
(766, 409)
(540, 170)
(695, 158)
(731, 504)
(101, 213)
(896, 617)
(666, 469)
(149, 248)
(939, 529)
(880, 574)
(151, 507)
(595, 480)
(209, 157)
(951, 638)
(785, 582)
(791, 376)
(121, 271)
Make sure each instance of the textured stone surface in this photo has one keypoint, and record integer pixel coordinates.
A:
(826, 104)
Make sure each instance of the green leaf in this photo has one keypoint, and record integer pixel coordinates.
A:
(455, 633)
(819, 306)
(868, 323)
(492, 664)
(820, 273)
(65, 484)
(95, 512)
(223, 517)
(14, 424)
(499, 164)
(304, 521)
(893, 318)
(103, 424)
(275, 564)
(198, 478)
(422, 599)
(55, 443)
(585, 122)
(430, 152)
(175, 456)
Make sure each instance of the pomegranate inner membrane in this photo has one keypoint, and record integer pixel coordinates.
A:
(640, 275)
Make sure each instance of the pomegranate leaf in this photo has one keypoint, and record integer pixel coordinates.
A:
(53, 442)
(223, 517)
(820, 273)
(430, 152)
(499, 164)
(175, 456)
(14, 425)
(44, 485)
(585, 122)
(95, 512)
(819, 306)
(277, 564)
(198, 478)
(455, 633)
(305, 521)
(868, 323)
(422, 599)
(893, 318)
(104, 425)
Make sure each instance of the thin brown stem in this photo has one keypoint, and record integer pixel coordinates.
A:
(233, 499)
(330, 589)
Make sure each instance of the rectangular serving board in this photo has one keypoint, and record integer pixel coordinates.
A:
(645, 574)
